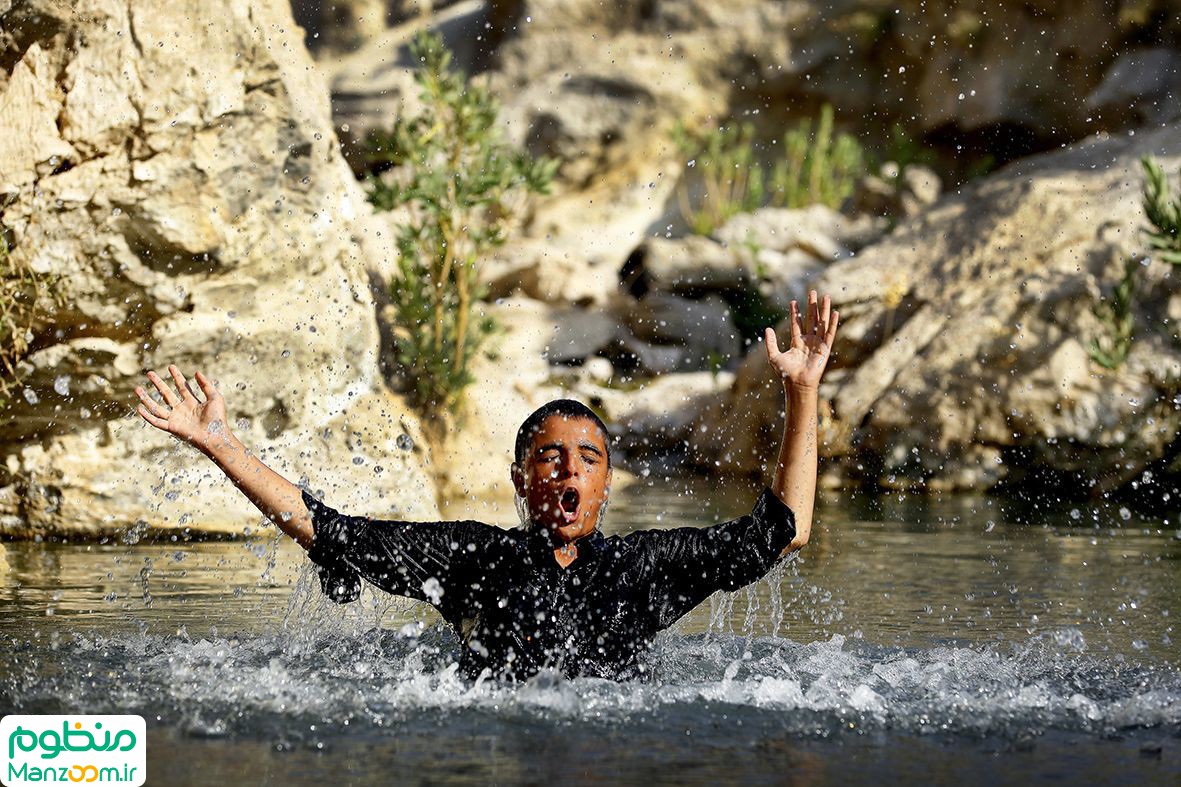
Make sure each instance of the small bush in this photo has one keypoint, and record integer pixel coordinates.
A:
(816, 167)
(1163, 210)
(731, 180)
(813, 167)
(461, 185)
(1111, 349)
(21, 294)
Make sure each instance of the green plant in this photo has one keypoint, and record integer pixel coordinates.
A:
(816, 167)
(22, 292)
(730, 178)
(1115, 314)
(1163, 210)
(461, 186)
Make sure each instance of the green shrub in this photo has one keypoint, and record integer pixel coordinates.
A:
(461, 185)
(724, 163)
(816, 167)
(1163, 210)
(21, 293)
(1111, 349)
(813, 167)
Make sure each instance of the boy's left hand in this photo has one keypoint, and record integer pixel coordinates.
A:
(802, 364)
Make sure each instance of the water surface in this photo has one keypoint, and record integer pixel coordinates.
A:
(914, 639)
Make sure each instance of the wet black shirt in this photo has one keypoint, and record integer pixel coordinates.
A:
(516, 610)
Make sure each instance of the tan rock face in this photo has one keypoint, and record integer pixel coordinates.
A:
(174, 164)
(962, 359)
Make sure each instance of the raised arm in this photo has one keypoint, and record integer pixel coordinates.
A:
(801, 366)
(202, 424)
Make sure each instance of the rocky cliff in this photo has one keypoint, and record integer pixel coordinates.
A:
(963, 356)
(173, 166)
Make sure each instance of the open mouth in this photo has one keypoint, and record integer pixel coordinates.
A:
(568, 504)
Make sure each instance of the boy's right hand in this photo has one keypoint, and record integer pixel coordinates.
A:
(202, 424)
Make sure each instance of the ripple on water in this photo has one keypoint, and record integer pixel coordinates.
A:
(254, 685)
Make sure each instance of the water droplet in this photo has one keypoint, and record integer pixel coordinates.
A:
(30, 396)
(405, 442)
(61, 384)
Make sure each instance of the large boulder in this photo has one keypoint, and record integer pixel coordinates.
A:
(969, 70)
(963, 361)
(173, 167)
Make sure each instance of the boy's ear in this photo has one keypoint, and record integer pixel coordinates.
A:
(518, 479)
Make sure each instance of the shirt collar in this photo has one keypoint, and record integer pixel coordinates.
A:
(590, 547)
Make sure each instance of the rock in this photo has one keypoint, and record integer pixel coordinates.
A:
(922, 184)
(1141, 88)
(548, 273)
(954, 67)
(875, 195)
(375, 83)
(633, 357)
(878, 374)
(659, 415)
(939, 67)
(598, 370)
(896, 194)
(817, 229)
(704, 328)
(786, 276)
(692, 263)
(606, 111)
(32, 144)
(964, 335)
(342, 25)
(190, 198)
(578, 334)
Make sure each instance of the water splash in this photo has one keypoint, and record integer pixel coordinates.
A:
(338, 664)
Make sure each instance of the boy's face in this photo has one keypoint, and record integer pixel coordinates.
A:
(565, 478)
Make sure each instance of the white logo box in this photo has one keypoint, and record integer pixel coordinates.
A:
(73, 749)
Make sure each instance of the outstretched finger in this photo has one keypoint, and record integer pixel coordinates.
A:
(831, 335)
(795, 324)
(771, 342)
(814, 324)
(825, 310)
(150, 404)
(159, 423)
(170, 398)
(207, 387)
(182, 385)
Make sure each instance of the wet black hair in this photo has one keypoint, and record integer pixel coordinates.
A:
(567, 407)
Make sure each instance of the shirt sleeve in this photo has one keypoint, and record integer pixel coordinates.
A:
(687, 564)
(428, 561)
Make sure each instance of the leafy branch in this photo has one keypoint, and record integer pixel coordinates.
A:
(461, 185)
(1163, 210)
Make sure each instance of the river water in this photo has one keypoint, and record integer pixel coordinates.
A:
(954, 640)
